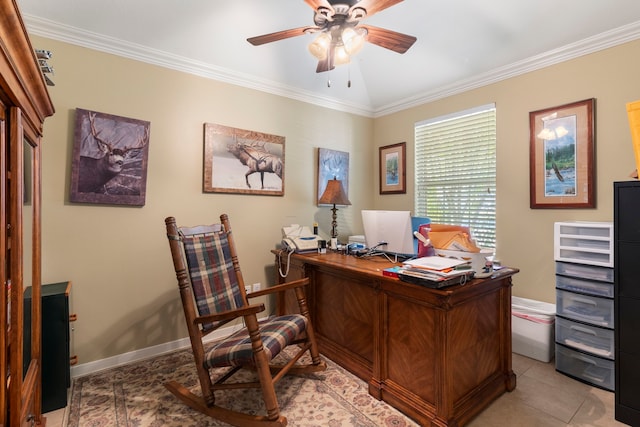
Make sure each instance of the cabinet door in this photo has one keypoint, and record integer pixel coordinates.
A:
(627, 295)
(628, 206)
(24, 270)
(346, 316)
(4, 295)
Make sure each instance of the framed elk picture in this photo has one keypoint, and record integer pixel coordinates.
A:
(109, 159)
(242, 161)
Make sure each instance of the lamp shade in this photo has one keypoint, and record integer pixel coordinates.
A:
(334, 194)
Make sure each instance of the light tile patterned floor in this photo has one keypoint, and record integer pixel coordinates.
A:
(542, 398)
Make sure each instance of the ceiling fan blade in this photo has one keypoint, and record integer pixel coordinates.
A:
(388, 39)
(315, 4)
(280, 35)
(375, 6)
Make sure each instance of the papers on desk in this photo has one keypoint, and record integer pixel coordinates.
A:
(436, 271)
(436, 263)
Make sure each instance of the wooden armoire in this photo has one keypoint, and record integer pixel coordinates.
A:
(24, 105)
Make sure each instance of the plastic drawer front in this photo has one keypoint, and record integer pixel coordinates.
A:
(585, 308)
(589, 272)
(590, 369)
(587, 338)
(585, 286)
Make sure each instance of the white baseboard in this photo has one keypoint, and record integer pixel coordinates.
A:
(145, 353)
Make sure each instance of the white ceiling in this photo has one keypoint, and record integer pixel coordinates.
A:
(461, 44)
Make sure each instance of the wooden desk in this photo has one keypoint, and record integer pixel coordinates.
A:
(438, 355)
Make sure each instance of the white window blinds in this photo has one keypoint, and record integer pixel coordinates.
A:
(455, 158)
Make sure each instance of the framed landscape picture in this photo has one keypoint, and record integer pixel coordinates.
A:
(392, 169)
(561, 168)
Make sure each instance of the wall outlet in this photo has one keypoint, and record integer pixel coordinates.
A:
(256, 287)
(247, 289)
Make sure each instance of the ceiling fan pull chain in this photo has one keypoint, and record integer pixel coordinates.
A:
(329, 70)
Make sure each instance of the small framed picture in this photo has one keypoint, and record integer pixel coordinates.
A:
(332, 164)
(561, 156)
(393, 177)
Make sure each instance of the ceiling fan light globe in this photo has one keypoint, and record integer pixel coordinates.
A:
(341, 56)
(353, 39)
(320, 46)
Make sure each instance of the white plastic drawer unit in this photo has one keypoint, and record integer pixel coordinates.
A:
(591, 369)
(602, 289)
(583, 271)
(591, 339)
(584, 243)
(585, 308)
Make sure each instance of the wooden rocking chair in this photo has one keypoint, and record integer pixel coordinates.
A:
(213, 294)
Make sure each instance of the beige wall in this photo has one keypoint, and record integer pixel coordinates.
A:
(524, 235)
(124, 288)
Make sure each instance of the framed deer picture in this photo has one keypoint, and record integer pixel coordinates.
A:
(242, 161)
(109, 159)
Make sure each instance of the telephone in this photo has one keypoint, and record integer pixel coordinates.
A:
(297, 238)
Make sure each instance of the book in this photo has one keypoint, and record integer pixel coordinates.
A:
(435, 263)
(391, 271)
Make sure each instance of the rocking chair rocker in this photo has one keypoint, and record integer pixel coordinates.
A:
(213, 294)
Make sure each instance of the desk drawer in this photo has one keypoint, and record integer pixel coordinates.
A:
(585, 308)
(590, 369)
(592, 339)
(601, 289)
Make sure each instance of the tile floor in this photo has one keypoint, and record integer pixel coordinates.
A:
(542, 398)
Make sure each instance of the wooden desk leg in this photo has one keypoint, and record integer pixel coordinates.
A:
(510, 380)
(375, 388)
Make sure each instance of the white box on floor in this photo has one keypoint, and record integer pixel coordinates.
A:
(533, 328)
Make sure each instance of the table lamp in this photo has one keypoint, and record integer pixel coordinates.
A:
(334, 195)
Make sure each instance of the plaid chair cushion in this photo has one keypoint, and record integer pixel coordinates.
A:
(276, 334)
(213, 279)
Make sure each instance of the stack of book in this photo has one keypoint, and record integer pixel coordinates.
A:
(436, 271)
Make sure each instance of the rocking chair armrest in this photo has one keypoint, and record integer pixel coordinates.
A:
(230, 314)
(280, 288)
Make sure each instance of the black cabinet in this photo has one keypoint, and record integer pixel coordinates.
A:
(627, 301)
(56, 373)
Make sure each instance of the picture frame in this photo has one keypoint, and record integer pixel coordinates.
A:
(332, 164)
(110, 157)
(393, 178)
(242, 161)
(561, 157)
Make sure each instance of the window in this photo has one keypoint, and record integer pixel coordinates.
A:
(455, 170)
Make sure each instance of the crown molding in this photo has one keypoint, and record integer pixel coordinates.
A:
(56, 31)
(583, 47)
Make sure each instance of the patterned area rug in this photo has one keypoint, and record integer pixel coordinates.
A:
(134, 396)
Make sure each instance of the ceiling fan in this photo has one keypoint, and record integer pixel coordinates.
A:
(341, 33)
